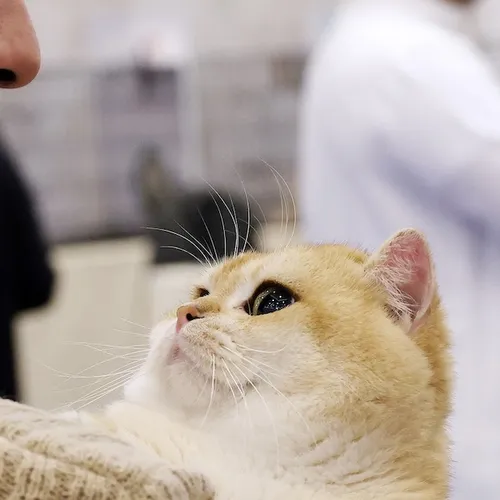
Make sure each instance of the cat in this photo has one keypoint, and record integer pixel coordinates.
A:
(315, 372)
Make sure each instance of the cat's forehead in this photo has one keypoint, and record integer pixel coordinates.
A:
(237, 272)
(290, 267)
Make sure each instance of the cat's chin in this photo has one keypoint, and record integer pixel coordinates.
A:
(176, 392)
(144, 391)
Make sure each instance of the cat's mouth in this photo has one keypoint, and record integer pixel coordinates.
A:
(176, 355)
(180, 354)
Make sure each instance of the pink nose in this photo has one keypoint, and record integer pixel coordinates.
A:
(186, 314)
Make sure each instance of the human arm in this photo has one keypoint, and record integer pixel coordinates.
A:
(442, 129)
(32, 276)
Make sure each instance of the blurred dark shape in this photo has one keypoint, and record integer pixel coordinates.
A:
(148, 80)
(158, 187)
(190, 225)
(26, 278)
(287, 71)
(221, 222)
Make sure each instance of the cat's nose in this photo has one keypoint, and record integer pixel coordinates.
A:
(186, 314)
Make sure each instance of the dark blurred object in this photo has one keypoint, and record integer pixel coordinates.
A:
(159, 192)
(188, 226)
(222, 223)
(287, 72)
(26, 279)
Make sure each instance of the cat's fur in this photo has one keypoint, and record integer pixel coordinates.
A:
(346, 392)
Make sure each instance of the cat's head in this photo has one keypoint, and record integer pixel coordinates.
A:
(335, 331)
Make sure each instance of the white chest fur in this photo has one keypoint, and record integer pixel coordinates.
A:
(228, 457)
(254, 464)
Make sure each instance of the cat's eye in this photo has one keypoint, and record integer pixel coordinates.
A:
(201, 292)
(272, 299)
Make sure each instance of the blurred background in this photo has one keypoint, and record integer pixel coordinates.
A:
(162, 133)
(149, 113)
(132, 94)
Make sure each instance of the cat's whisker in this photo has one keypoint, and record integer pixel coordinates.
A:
(105, 392)
(128, 332)
(249, 245)
(222, 222)
(262, 376)
(113, 375)
(284, 224)
(108, 352)
(80, 375)
(202, 391)
(119, 355)
(212, 257)
(285, 203)
(98, 394)
(284, 206)
(262, 230)
(248, 221)
(249, 216)
(97, 378)
(129, 367)
(209, 235)
(260, 351)
(121, 376)
(285, 214)
(282, 203)
(236, 228)
(294, 408)
(224, 371)
(241, 356)
(173, 247)
(269, 412)
(264, 367)
(135, 324)
(241, 391)
(212, 392)
(141, 347)
(185, 238)
(294, 206)
(257, 233)
(233, 218)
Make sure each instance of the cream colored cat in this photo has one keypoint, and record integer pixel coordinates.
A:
(316, 372)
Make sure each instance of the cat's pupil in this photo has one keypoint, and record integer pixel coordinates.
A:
(271, 300)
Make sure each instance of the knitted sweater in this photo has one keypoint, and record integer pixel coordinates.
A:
(44, 457)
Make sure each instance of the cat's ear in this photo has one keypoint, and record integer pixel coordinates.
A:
(403, 267)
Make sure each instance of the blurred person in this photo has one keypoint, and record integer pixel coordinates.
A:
(26, 279)
(19, 52)
(400, 127)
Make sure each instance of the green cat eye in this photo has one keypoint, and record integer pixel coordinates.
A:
(272, 299)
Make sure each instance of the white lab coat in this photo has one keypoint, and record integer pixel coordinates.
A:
(400, 127)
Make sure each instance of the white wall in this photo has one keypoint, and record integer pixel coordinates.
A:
(73, 32)
(101, 287)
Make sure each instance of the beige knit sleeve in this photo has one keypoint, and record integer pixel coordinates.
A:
(45, 457)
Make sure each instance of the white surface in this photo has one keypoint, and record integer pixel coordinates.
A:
(100, 285)
(215, 26)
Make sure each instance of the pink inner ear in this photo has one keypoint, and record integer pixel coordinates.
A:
(408, 262)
